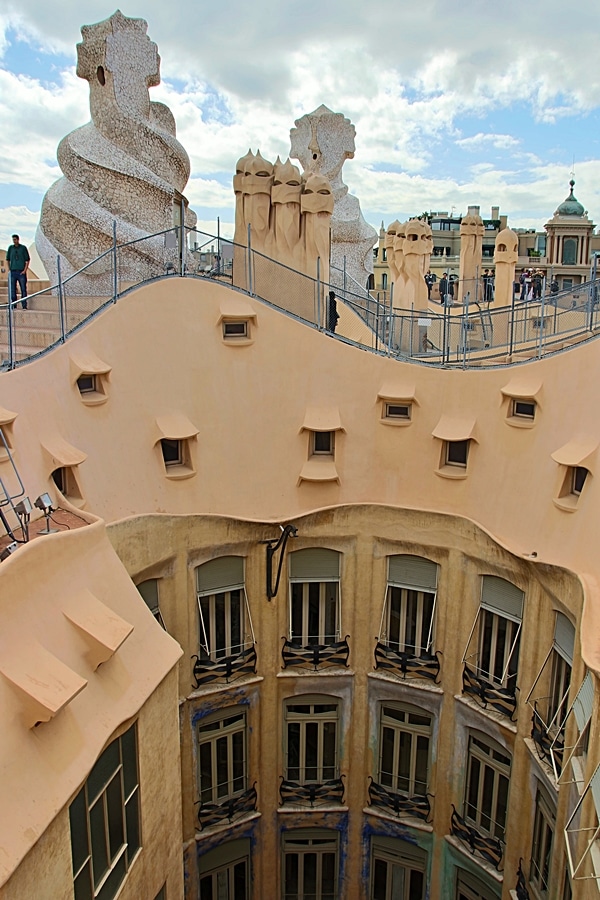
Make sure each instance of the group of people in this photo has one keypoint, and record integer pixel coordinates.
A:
(531, 283)
(17, 258)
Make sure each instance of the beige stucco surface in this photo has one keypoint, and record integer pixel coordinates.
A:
(43, 766)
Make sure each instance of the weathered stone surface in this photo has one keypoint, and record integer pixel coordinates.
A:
(322, 141)
(125, 166)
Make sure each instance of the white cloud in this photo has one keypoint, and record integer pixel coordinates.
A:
(19, 220)
(480, 140)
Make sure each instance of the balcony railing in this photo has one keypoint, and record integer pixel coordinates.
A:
(489, 848)
(549, 747)
(328, 792)
(503, 700)
(442, 337)
(206, 671)
(228, 810)
(417, 806)
(425, 665)
(315, 656)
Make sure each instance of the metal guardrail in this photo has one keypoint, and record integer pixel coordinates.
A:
(460, 336)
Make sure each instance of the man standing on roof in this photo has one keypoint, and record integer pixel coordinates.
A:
(17, 257)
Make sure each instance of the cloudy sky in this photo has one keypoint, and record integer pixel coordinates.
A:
(454, 104)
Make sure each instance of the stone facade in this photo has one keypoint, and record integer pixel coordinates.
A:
(125, 169)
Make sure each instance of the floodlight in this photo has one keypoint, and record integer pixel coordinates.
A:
(44, 502)
(24, 508)
(8, 551)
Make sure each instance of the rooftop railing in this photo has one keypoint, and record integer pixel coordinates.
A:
(470, 334)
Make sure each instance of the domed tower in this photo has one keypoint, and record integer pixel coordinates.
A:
(569, 237)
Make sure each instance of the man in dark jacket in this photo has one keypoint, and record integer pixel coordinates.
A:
(17, 257)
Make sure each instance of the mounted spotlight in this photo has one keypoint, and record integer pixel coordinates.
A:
(44, 502)
(23, 511)
(8, 551)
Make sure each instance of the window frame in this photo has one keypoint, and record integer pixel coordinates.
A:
(303, 602)
(478, 761)
(303, 842)
(152, 603)
(405, 586)
(544, 826)
(389, 405)
(318, 436)
(413, 731)
(326, 763)
(456, 447)
(517, 413)
(397, 853)
(222, 861)
(494, 613)
(208, 636)
(85, 821)
(65, 481)
(218, 731)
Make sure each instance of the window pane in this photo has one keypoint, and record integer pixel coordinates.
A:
(291, 876)
(329, 760)
(222, 761)
(103, 771)
(83, 885)
(310, 874)
(411, 621)
(486, 799)
(380, 880)
(331, 625)
(206, 892)
(314, 607)
(220, 638)
(394, 623)
(293, 751)
(79, 834)
(501, 805)
(110, 886)
(206, 773)
(328, 875)
(297, 610)
(205, 635)
(99, 850)
(387, 757)
(474, 770)
(417, 883)
(405, 743)
(311, 751)
(502, 648)
(114, 804)
(236, 622)
(237, 741)
(239, 881)
(132, 824)
(129, 758)
(421, 765)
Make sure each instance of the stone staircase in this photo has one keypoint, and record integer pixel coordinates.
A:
(38, 326)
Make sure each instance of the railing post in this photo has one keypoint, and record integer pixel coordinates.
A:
(391, 319)
(218, 245)
(466, 325)
(319, 325)
(11, 325)
(61, 301)
(542, 328)
(512, 319)
(344, 274)
(115, 274)
(182, 245)
(249, 263)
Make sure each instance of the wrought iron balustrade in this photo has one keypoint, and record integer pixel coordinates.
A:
(315, 655)
(489, 848)
(424, 665)
(503, 700)
(417, 806)
(328, 792)
(549, 747)
(207, 670)
(216, 813)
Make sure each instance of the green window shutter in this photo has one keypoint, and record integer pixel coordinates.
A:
(412, 571)
(222, 574)
(315, 564)
(564, 637)
(502, 597)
